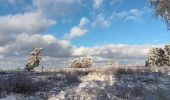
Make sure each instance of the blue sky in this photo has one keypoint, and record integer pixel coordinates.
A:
(143, 29)
(113, 29)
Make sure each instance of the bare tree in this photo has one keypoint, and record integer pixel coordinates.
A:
(162, 9)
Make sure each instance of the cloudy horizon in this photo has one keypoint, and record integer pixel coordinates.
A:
(120, 30)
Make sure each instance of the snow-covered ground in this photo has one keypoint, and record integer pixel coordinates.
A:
(120, 85)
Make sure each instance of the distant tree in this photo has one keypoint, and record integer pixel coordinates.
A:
(167, 54)
(158, 56)
(110, 62)
(34, 59)
(162, 9)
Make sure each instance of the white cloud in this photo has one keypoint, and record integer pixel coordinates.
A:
(115, 2)
(57, 7)
(83, 21)
(61, 51)
(100, 21)
(24, 43)
(78, 30)
(14, 54)
(124, 54)
(97, 4)
(135, 15)
(118, 15)
(5, 39)
(20, 33)
(66, 21)
(119, 51)
(29, 22)
(131, 15)
(13, 2)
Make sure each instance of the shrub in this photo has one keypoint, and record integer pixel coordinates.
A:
(129, 71)
(82, 62)
(19, 83)
(71, 79)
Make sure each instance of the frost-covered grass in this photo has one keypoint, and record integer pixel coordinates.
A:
(103, 70)
(34, 83)
(120, 83)
(88, 83)
(18, 83)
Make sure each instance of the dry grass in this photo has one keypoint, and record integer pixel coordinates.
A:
(101, 70)
(19, 83)
(109, 70)
(71, 79)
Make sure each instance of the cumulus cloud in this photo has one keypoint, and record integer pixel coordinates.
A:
(78, 30)
(57, 7)
(24, 43)
(100, 21)
(60, 52)
(5, 39)
(56, 52)
(20, 33)
(120, 51)
(29, 22)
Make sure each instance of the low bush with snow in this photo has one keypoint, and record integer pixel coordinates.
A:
(19, 83)
(82, 62)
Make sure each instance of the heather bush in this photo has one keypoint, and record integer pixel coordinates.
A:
(82, 62)
(19, 83)
(71, 79)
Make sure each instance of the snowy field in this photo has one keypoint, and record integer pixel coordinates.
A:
(110, 83)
